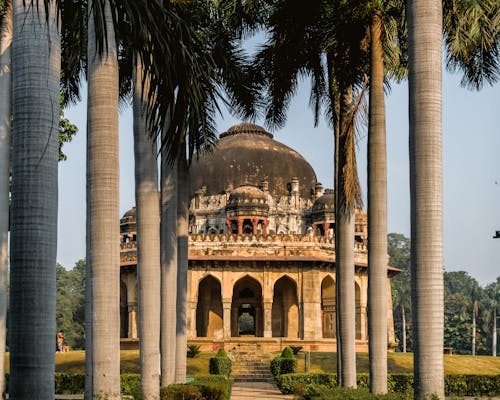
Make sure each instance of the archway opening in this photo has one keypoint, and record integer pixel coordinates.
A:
(247, 316)
(209, 312)
(285, 311)
(357, 291)
(328, 312)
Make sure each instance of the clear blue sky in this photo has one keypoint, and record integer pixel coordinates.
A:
(471, 166)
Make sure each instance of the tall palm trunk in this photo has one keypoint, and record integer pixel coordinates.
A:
(494, 340)
(474, 313)
(148, 246)
(425, 81)
(377, 216)
(403, 317)
(103, 252)
(344, 239)
(182, 266)
(5, 138)
(36, 60)
(168, 259)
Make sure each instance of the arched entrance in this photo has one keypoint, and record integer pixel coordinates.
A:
(328, 316)
(123, 310)
(285, 311)
(209, 312)
(359, 326)
(246, 308)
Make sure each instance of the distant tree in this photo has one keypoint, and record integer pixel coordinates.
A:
(66, 131)
(70, 304)
(398, 248)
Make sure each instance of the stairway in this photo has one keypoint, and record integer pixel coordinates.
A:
(250, 363)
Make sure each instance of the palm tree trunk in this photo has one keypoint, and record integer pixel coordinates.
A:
(5, 138)
(148, 246)
(168, 259)
(403, 316)
(494, 340)
(36, 60)
(344, 239)
(377, 216)
(425, 86)
(474, 307)
(103, 251)
(182, 266)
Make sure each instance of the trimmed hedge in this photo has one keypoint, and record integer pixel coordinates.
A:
(221, 364)
(455, 385)
(286, 364)
(206, 387)
(74, 383)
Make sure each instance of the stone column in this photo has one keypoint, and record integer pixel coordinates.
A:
(226, 304)
(132, 319)
(265, 225)
(326, 226)
(311, 305)
(313, 226)
(192, 320)
(268, 313)
(240, 226)
(228, 223)
(255, 223)
(364, 322)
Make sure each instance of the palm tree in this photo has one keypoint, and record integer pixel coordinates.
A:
(148, 245)
(425, 82)
(35, 105)
(5, 140)
(103, 253)
(384, 19)
(319, 30)
(168, 256)
(182, 265)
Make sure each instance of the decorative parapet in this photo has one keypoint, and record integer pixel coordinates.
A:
(271, 246)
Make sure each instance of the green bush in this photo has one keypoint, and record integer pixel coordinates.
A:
(220, 364)
(287, 353)
(221, 353)
(455, 385)
(281, 365)
(67, 383)
(206, 387)
(296, 349)
(472, 385)
(180, 392)
(131, 385)
(193, 350)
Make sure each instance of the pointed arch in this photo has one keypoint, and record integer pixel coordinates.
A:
(328, 308)
(209, 311)
(357, 291)
(247, 315)
(285, 309)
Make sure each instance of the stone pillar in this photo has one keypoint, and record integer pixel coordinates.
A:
(314, 228)
(255, 223)
(364, 322)
(326, 226)
(228, 223)
(192, 320)
(311, 305)
(226, 304)
(265, 225)
(132, 319)
(268, 314)
(240, 225)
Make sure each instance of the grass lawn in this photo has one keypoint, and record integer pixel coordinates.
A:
(74, 361)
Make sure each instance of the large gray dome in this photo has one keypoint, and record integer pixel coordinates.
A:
(245, 155)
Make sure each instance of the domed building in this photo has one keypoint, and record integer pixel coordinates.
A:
(261, 250)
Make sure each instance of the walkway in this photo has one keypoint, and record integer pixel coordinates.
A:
(257, 390)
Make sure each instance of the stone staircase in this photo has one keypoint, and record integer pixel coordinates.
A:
(250, 363)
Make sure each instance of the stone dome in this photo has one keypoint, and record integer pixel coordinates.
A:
(246, 155)
(127, 222)
(325, 202)
(323, 208)
(247, 200)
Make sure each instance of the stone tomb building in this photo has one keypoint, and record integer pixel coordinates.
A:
(261, 251)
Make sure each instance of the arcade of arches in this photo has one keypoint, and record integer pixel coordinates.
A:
(261, 250)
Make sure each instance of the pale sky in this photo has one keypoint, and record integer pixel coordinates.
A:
(471, 168)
